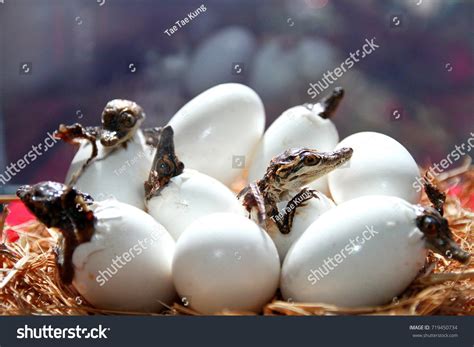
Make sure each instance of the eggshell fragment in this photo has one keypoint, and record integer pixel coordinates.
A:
(127, 264)
(224, 262)
(379, 165)
(120, 174)
(217, 131)
(189, 196)
(363, 252)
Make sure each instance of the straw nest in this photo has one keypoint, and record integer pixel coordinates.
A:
(29, 283)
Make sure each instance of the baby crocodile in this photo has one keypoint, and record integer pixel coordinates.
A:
(435, 227)
(284, 180)
(67, 209)
(166, 164)
(120, 121)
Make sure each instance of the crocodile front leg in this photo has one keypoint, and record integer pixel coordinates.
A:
(73, 134)
(297, 201)
(63, 251)
(281, 222)
(254, 198)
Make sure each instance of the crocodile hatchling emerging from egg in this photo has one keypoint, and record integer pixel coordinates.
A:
(289, 172)
(285, 179)
(58, 206)
(120, 121)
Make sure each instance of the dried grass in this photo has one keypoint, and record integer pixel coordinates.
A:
(29, 284)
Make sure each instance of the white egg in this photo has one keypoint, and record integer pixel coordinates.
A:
(298, 126)
(379, 165)
(304, 217)
(127, 263)
(212, 62)
(224, 261)
(217, 131)
(120, 174)
(363, 252)
(189, 196)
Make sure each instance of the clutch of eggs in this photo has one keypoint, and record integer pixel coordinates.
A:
(224, 261)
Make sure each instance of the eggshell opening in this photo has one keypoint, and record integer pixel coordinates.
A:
(296, 127)
(189, 196)
(337, 261)
(120, 174)
(127, 263)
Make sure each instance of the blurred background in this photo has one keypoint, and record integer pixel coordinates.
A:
(61, 61)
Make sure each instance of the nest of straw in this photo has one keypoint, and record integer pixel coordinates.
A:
(29, 282)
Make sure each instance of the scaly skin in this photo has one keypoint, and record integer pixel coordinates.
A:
(166, 164)
(67, 209)
(288, 173)
(329, 104)
(435, 227)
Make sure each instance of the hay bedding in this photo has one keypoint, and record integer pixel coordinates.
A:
(29, 283)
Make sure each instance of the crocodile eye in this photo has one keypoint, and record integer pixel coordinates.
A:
(164, 168)
(311, 160)
(430, 226)
(127, 119)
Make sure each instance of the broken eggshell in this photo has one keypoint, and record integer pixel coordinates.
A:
(187, 197)
(380, 165)
(116, 172)
(116, 255)
(127, 263)
(176, 196)
(217, 131)
(363, 252)
(300, 126)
